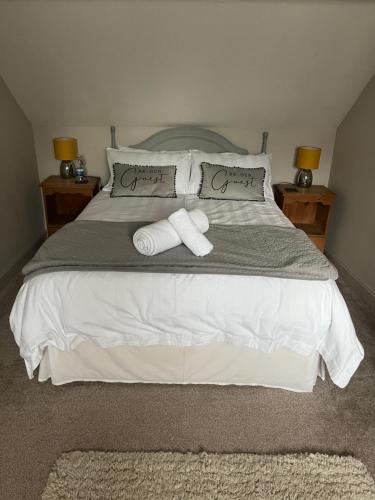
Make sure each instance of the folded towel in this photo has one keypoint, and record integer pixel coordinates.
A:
(161, 236)
(200, 219)
(189, 233)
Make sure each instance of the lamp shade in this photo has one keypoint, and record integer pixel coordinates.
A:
(65, 148)
(308, 157)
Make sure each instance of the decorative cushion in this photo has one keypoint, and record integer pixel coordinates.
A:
(144, 181)
(220, 182)
(230, 160)
(129, 156)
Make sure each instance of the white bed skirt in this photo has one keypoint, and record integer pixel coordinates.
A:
(220, 364)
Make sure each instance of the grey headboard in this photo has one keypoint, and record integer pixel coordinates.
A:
(181, 138)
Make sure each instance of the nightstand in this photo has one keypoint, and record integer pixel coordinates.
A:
(64, 200)
(309, 209)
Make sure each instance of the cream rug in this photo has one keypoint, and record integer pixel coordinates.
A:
(166, 476)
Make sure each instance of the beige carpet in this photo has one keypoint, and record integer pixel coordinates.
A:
(39, 421)
(147, 476)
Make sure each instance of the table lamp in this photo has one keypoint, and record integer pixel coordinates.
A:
(66, 150)
(307, 160)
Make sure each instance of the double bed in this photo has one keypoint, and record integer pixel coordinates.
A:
(172, 327)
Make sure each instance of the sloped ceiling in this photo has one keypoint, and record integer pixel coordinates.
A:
(159, 63)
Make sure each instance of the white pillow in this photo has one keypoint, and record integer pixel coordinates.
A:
(230, 160)
(129, 148)
(181, 159)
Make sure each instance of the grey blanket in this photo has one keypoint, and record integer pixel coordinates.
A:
(242, 250)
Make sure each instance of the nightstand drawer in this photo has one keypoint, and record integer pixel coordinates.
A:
(64, 207)
(319, 241)
(64, 199)
(308, 209)
(52, 229)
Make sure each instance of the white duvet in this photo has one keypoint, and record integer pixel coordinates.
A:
(62, 309)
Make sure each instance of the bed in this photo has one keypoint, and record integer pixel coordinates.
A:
(111, 326)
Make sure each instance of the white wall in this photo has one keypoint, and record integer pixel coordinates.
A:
(21, 214)
(352, 232)
(293, 68)
(273, 64)
(93, 140)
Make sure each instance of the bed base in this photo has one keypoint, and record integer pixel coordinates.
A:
(219, 364)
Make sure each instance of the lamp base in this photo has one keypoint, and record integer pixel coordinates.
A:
(67, 169)
(304, 178)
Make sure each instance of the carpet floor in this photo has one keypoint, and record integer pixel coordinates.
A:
(39, 421)
(99, 475)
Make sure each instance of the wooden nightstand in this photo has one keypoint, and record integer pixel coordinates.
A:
(309, 209)
(64, 200)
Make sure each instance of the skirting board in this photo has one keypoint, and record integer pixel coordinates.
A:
(367, 295)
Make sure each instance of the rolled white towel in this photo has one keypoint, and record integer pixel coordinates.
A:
(161, 236)
(200, 219)
(189, 233)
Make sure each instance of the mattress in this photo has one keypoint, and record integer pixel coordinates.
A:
(103, 207)
(110, 309)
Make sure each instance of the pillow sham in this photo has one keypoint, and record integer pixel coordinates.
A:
(220, 182)
(144, 181)
(181, 160)
(230, 160)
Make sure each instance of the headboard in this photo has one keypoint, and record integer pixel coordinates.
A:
(181, 138)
